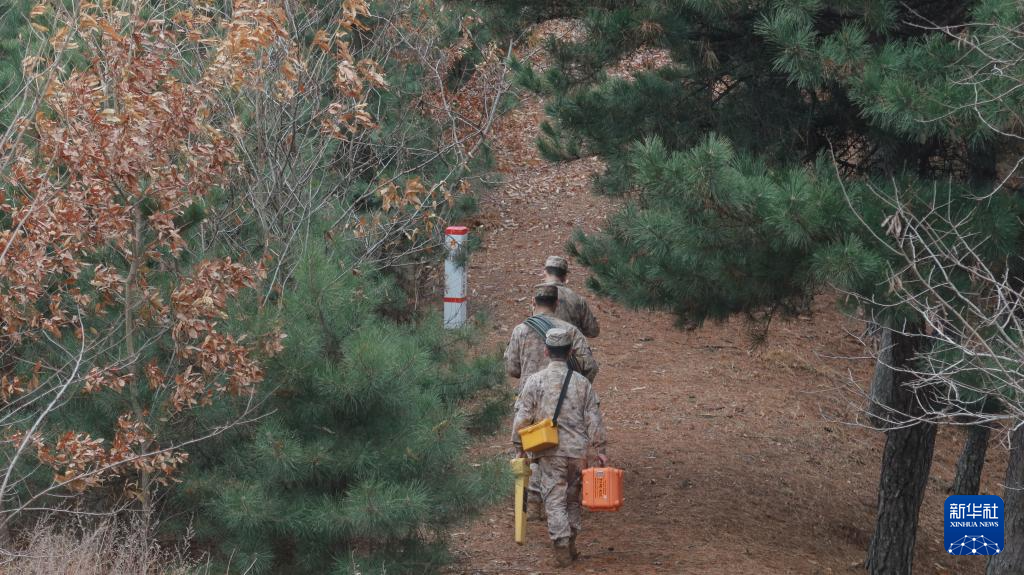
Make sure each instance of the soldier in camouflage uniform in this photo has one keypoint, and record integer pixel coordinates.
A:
(525, 353)
(579, 428)
(525, 356)
(571, 306)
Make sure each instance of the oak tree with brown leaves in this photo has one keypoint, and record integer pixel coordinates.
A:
(111, 325)
(178, 160)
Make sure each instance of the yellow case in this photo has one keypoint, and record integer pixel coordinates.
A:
(539, 436)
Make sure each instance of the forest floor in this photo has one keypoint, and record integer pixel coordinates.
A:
(737, 460)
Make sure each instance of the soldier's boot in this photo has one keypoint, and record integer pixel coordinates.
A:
(573, 552)
(563, 555)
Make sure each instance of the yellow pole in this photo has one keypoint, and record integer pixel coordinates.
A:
(521, 469)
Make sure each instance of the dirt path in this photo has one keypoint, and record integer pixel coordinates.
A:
(737, 462)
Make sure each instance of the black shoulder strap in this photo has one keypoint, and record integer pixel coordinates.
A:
(561, 395)
(540, 324)
(574, 362)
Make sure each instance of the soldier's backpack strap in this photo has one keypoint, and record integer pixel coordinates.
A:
(541, 325)
(561, 395)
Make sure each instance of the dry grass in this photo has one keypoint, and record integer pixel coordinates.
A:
(123, 547)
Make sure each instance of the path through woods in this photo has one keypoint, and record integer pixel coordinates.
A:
(737, 461)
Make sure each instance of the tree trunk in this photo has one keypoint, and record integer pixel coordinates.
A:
(905, 464)
(883, 383)
(1011, 560)
(906, 461)
(972, 461)
(145, 481)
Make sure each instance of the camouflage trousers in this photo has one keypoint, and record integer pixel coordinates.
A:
(533, 487)
(559, 482)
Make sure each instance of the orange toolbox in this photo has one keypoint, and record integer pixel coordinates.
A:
(602, 488)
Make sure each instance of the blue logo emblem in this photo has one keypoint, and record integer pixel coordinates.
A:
(974, 524)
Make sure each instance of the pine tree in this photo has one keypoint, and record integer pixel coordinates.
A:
(13, 25)
(764, 161)
(359, 464)
(23, 46)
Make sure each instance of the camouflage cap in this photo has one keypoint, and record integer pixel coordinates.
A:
(558, 337)
(557, 262)
(545, 291)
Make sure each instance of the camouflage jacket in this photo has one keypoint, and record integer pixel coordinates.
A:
(579, 424)
(574, 309)
(524, 355)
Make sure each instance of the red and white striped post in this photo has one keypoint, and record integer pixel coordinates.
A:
(455, 314)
